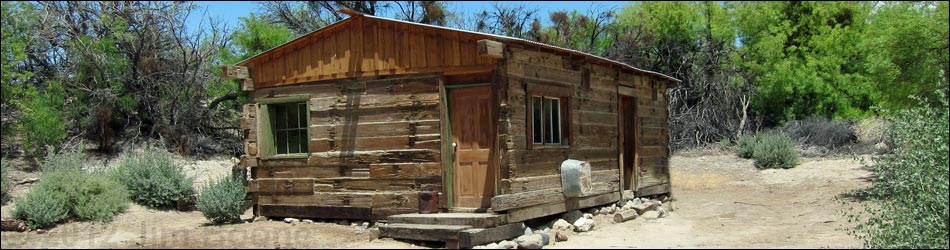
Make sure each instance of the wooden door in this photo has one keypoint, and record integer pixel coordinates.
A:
(629, 133)
(473, 181)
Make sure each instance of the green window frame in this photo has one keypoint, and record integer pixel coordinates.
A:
(285, 124)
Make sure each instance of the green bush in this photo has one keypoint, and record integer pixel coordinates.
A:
(66, 191)
(222, 201)
(4, 182)
(909, 196)
(745, 146)
(41, 209)
(153, 179)
(774, 150)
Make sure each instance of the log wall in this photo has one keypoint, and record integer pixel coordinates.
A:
(531, 184)
(374, 145)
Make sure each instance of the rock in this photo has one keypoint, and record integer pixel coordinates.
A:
(650, 214)
(534, 241)
(307, 221)
(562, 224)
(291, 220)
(492, 245)
(572, 216)
(260, 218)
(583, 225)
(527, 231)
(560, 236)
(545, 239)
(41, 231)
(14, 225)
(373, 234)
(505, 244)
(479, 247)
(881, 148)
(343, 222)
(660, 212)
(359, 231)
(613, 208)
(588, 216)
(364, 225)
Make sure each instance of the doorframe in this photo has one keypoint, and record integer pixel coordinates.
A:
(447, 161)
(636, 143)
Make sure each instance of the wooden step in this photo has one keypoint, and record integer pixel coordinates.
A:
(475, 220)
(423, 232)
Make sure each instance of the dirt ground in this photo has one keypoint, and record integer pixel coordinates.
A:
(720, 201)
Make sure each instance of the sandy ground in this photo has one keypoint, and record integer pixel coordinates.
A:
(721, 201)
(724, 202)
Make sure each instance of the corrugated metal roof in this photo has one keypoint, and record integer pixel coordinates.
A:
(503, 38)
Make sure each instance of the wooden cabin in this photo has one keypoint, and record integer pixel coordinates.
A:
(372, 117)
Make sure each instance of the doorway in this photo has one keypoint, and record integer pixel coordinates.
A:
(473, 172)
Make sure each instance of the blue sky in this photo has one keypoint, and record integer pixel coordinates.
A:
(229, 11)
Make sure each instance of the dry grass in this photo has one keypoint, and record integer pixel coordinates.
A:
(696, 180)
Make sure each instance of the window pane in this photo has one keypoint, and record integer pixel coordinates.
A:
(281, 142)
(555, 121)
(280, 113)
(295, 142)
(292, 120)
(302, 112)
(547, 121)
(536, 119)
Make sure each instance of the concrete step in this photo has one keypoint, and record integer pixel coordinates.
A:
(475, 220)
(423, 232)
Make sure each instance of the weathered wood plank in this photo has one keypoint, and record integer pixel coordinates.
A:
(375, 157)
(405, 171)
(282, 185)
(526, 213)
(473, 237)
(309, 211)
(373, 129)
(526, 199)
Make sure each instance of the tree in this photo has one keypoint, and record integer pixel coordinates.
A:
(907, 51)
(802, 55)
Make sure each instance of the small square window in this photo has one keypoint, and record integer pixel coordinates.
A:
(288, 123)
(547, 119)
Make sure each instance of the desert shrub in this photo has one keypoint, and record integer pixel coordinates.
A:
(745, 146)
(912, 184)
(63, 161)
(5, 183)
(774, 150)
(41, 209)
(154, 179)
(873, 130)
(67, 191)
(222, 201)
(821, 132)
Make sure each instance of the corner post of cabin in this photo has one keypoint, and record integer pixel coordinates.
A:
(502, 113)
(248, 127)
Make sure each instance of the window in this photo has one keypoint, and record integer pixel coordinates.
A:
(547, 120)
(284, 124)
(289, 125)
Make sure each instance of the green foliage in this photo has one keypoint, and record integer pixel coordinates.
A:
(257, 35)
(154, 179)
(745, 146)
(774, 150)
(42, 123)
(41, 209)
(768, 149)
(912, 184)
(907, 51)
(5, 184)
(802, 56)
(222, 201)
(66, 190)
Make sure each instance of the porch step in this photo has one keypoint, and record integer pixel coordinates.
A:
(475, 220)
(423, 232)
